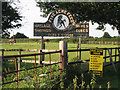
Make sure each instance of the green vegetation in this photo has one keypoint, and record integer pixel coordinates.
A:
(10, 18)
(109, 75)
(75, 79)
(85, 12)
(19, 35)
(29, 76)
(51, 46)
(72, 70)
(106, 35)
(70, 40)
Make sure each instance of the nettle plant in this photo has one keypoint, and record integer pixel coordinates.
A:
(42, 80)
(91, 84)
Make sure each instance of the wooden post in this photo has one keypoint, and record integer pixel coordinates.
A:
(105, 55)
(50, 65)
(64, 54)
(42, 43)
(119, 53)
(2, 52)
(35, 70)
(42, 47)
(19, 61)
(60, 59)
(111, 53)
(16, 70)
(112, 43)
(77, 50)
(80, 48)
(111, 60)
(63, 57)
(40, 57)
(115, 54)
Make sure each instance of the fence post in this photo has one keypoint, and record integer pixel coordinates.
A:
(119, 53)
(112, 43)
(77, 51)
(2, 52)
(64, 54)
(60, 59)
(35, 69)
(111, 53)
(19, 60)
(16, 69)
(42, 47)
(105, 55)
(80, 48)
(50, 65)
(115, 54)
(111, 60)
(40, 57)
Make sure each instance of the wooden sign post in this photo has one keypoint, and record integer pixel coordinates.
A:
(41, 57)
(80, 48)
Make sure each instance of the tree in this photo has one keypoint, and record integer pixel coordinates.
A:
(19, 35)
(10, 18)
(5, 35)
(106, 35)
(97, 12)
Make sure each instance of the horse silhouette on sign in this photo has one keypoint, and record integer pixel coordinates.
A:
(61, 22)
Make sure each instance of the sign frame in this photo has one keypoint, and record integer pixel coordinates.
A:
(61, 17)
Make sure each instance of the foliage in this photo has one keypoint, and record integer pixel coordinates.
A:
(5, 35)
(83, 82)
(75, 69)
(19, 35)
(43, 79)
(93, 81)
(100, 12)
(106, 35)
(10, 17)
(75, 82)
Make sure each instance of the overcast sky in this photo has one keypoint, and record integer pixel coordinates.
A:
(31, 14)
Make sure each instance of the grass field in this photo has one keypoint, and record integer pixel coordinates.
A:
(71, 57)
(53, 46)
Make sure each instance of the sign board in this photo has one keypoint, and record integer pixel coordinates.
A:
(61, 23)
(96, 61)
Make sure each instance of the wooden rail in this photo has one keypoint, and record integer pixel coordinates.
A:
(27, 50)
(62, 63)
(24, 55)
(35, 67)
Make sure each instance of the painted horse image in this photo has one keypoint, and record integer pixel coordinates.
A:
(60, 22)
(12, 41)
